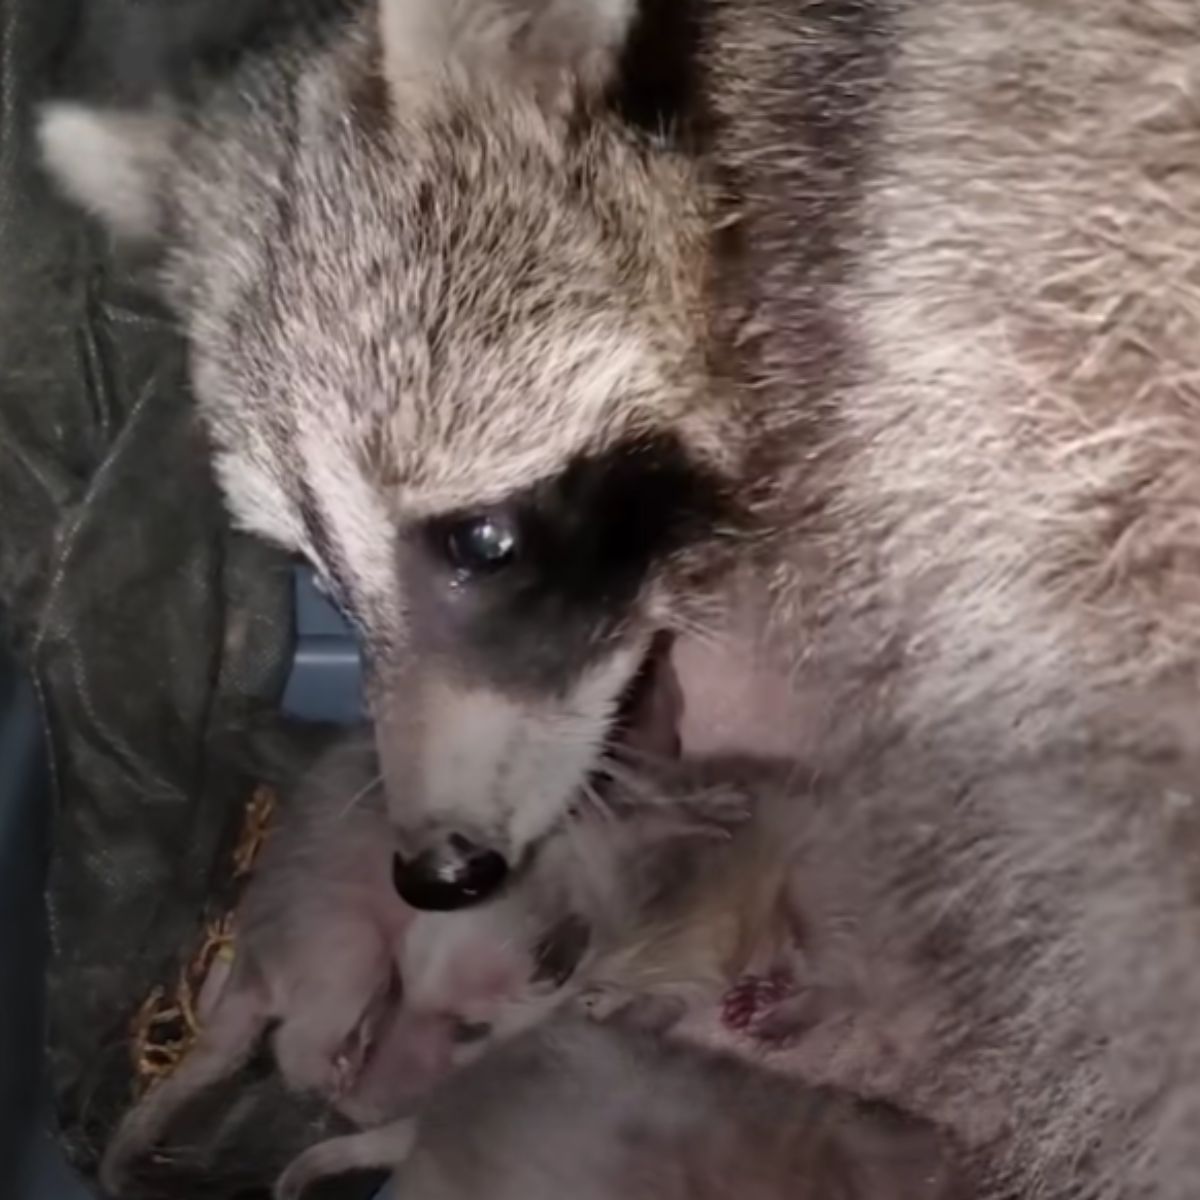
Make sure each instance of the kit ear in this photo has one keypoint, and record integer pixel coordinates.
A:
(557, 49)
(110, 162)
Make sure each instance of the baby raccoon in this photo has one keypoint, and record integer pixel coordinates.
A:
(600, 1112)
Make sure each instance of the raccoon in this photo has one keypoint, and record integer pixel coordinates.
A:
(367, 1003)
(474, 400)
(574, 1109)
(867, 375)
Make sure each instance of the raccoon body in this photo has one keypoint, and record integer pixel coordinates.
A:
(984, 461)
(869, 376)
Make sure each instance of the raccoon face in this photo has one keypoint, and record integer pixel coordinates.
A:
(446, 327)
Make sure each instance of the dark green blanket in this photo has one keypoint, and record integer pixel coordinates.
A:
(157, 638)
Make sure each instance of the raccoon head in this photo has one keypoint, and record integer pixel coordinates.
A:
(446, 316)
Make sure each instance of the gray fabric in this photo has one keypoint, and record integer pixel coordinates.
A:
(155, 636)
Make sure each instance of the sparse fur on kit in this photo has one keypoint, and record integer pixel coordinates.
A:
(605, 1113)
(877, 390)
(366, 1003)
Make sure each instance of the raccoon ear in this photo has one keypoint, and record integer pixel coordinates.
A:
(557, 48)
(575, 44)
(109, 162)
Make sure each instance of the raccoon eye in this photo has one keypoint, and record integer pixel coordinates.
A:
(482, 542)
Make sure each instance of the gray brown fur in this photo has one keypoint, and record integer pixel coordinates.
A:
(462, 335)
(989, 578)
(955, 297)
(603, 1113)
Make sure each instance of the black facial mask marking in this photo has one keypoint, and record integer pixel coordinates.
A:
(583, 544)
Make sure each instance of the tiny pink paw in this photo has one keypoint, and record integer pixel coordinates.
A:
(750, 1001)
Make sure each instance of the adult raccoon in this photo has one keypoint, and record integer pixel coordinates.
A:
(893, 367)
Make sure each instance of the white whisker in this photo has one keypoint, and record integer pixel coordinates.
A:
(360, 795)
(599, 805)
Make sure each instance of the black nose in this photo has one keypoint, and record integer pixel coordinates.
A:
(452, 873)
